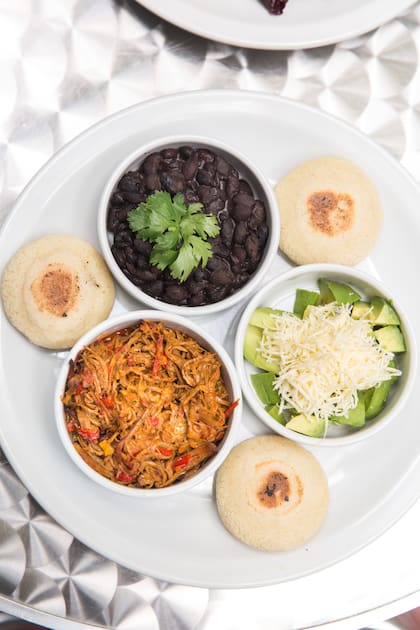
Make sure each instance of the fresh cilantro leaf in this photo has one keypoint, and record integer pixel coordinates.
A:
(162, 258)
(184, 263)
(178, 232)
(202, 250)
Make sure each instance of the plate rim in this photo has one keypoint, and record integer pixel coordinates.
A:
(259, 43)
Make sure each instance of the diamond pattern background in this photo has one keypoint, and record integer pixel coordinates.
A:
(64, 66)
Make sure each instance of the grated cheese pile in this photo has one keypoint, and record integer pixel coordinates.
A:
(325, 359)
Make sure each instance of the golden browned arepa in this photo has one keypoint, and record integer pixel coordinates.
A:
(330, 211)
(55, 288)
(271, 493)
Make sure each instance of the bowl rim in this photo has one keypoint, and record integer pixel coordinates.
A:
(271, 208)
(348, 274)
(115, 323)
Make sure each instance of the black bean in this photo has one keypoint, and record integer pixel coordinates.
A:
(245, 187)
(151, 163)
(142, 247)
(176, 293)
(185, 152)
(257, 215)
(147, 275)
(241, 212)
(155, 288)
(117, 199)
(190, 196)
(262, 233)
(223, 167)
(207, 194)
(205, 155)
(221, 277)
(232, 186)
(240, 232)
(169, 154)
(190, 167)
(128, 183)
(216, 293)
(152, 182)
(198, 286)
(214, 207)
(197, 299)
(252, 246)
(134, 198)
(173, 181)
(227, 229)
(216, 262)
(204, 177)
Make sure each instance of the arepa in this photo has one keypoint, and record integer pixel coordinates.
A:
(330, 211)
(55, 288)
(271, 493)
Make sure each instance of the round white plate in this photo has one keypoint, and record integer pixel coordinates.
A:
(304, 23)
(180, 539)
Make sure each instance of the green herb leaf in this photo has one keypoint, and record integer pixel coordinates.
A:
(178, 232)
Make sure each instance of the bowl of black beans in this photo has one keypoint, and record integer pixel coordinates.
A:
(188, 224)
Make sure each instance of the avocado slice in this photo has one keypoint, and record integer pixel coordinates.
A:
(308, 425)
(356, 416)
(362, 310)
(303, 299)
(262, 317)
(390, 338)
(336, 292)
(252, 340)
(375, 399)
(383, 314)
(274, 412)
(263, 385)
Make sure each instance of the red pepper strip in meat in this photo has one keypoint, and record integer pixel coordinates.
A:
(159, 358)
(89, 434)
(125, 477)
(182, 461)
(231, 408)
(108, 402)
(166, 452)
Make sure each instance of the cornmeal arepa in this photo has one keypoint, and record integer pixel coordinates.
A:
(55, 288)
(330, 211)
(271, 493)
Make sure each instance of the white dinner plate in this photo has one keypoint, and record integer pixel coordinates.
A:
(304, 23)
(180, 538)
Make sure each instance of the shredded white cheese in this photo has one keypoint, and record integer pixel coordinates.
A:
(324, 360)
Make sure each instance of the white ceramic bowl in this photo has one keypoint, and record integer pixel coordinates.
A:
(247, 170)
(280, 293)
(204, 339)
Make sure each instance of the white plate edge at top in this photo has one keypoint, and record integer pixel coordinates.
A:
(273, 34)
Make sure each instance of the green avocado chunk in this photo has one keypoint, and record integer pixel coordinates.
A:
(383, 314)
(262, 317)
(336, 292)
(356, 416)
(252, 340)
(307, 425)
(263, 385)
(375, 399)
(362, 310)
(390, 338)
(303, 299)
(274, 412)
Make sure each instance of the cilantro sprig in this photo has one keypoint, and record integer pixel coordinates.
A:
(179, 232)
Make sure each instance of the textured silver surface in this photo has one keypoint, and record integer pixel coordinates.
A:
(65, 65)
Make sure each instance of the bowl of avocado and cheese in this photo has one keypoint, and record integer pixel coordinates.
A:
(325, 355)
